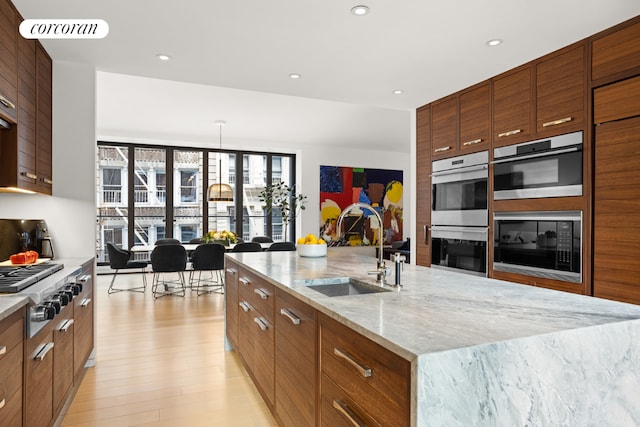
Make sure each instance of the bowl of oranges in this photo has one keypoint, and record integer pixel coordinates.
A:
(311, 246)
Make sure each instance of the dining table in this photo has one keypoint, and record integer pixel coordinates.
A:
(189, 247)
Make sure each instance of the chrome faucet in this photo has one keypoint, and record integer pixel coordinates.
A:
(381, 270)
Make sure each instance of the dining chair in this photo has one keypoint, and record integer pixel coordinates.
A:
(247, 247)
(120, 259)
(167, 259)
(167, 241)
(281, 246)
(262, 239)
(208, 257)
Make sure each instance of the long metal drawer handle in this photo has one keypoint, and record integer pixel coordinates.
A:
(243, 305)
(85, 278)
(474, 142)
(425, 233)
(364, 371)
(441, 149)
(85, 302)
(46, 181)
(231, 271)
(288, 314)
(509, 133)
(263, 294)
(3, 349)
(4, 101)
(66, 325)
(43, 352)
(347, 413)
(261, 323)
(244, 281)
(2, 402)
(557, 122)
(29, 175)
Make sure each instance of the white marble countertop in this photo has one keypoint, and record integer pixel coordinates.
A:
(435, 310)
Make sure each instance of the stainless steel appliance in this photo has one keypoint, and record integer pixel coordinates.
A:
(459, 190)
(550, 167)
(539, 244)
(459, 213)
(462, 249)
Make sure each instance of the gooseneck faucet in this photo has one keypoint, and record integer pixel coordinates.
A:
(381, 270)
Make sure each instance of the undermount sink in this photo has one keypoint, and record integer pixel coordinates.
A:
(342, 286)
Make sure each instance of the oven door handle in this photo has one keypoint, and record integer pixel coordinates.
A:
(533, 156)
(461, 170)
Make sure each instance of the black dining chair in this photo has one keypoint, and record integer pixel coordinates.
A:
(208, 257)
(167, 259)
(167, 242)
(281, 246)
(262, 239)
(247, 247)
(120, 259)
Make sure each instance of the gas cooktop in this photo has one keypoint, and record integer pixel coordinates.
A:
(15, 279)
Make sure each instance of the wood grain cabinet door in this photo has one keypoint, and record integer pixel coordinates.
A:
(11, 356)
(45, 120)
(8, 60)
(444, 127)
(560, 91)
(231, 302)
(475, 118)
(296, 362)
(423, 186)
(616, 55)
(512, 106)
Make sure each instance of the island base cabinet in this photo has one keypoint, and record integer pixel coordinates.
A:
(38, 373)
(371, 377)
(296, 362)
(11, 355)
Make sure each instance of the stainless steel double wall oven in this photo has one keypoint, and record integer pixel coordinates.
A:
(459, 213)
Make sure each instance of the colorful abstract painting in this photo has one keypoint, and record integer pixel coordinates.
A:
(380, 188)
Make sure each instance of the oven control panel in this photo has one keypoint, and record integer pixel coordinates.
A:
(564, 251)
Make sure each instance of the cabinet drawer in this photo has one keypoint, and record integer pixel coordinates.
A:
(11, 412)
(11, 333)
(83, 332)
(263, 368)
(10, 375)
(377, 379)
(62, 361)
(338, 409)
(258, 292)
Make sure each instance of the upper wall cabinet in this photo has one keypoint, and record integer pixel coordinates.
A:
(512, 106)
(8, 61)
(560, 91)
(461, 122)
(615, 55)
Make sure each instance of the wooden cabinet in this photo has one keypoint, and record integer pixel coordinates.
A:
(38, 374)
(8, 61)
(475, 118)
(560, 91)
(512, 106)
(83, 328)
(460, 123)
(296, 362)
(26, 74)
(361, 381)
(423, 186)
(615, 53)
(11, 356)
(444, 131)
(617, 192)
(231, 302)
(63, 356)
(256, 332)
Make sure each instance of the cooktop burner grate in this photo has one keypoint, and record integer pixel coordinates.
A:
(15, 279)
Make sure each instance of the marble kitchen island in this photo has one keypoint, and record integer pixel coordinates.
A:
(483, 352)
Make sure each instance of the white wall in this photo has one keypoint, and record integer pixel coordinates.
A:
(71, 211)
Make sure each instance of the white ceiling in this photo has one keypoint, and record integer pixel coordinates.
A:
(349, 65)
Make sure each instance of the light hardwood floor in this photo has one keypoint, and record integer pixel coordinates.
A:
(163, 363)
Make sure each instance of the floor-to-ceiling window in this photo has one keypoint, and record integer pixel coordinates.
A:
(164, 194)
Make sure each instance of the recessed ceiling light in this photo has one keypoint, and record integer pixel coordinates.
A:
(163, 57)
(294, 76)
(398, 92)
(494, 42)
(360, 10)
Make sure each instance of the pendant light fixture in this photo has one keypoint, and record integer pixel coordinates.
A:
(220, 192)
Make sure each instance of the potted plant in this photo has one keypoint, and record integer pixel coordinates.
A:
(282, 198)
(223, 237)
